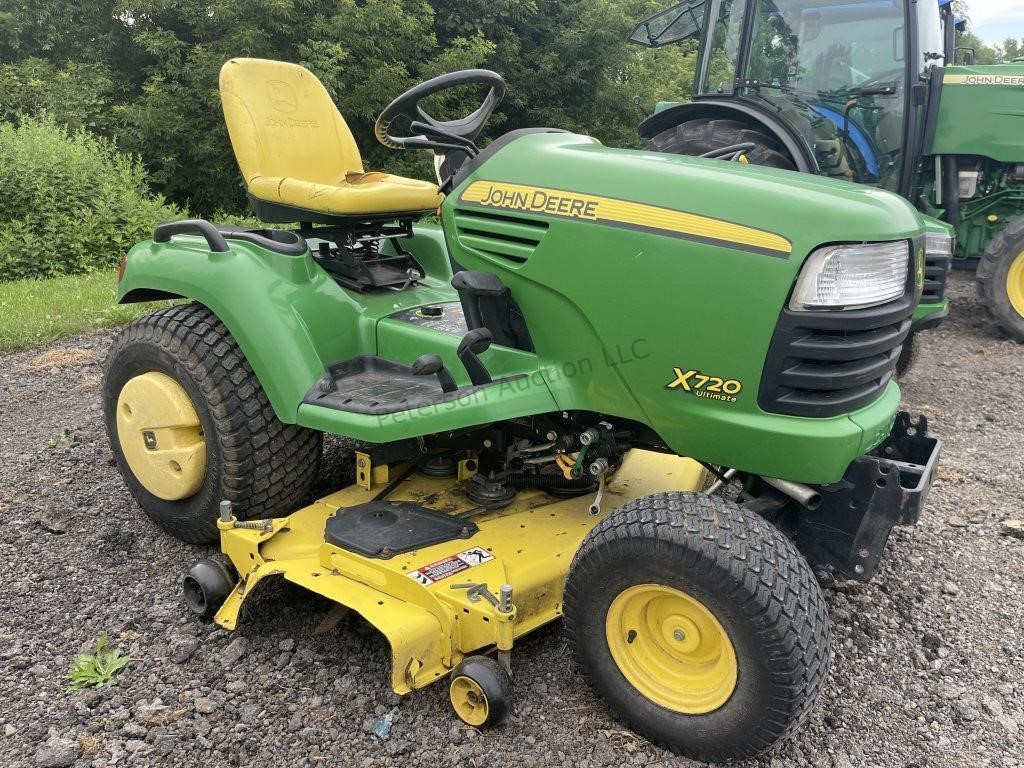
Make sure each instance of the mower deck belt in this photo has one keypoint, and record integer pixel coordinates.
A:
(386, 528)
(375, 386)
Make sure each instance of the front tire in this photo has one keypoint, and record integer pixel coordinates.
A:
(699, 625)
(1001, 279)
(190, 425)
(906, 358)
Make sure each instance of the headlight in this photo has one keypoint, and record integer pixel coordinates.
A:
(938, 245)
(852, 276)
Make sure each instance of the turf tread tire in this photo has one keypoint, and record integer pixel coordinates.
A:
(717, 548)
(263, 466)
(993, 267)
(698, 137)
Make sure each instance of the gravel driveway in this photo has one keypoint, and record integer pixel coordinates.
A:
(928, 657)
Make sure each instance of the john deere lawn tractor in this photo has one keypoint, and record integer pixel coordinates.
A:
(864, 90)
(539, 392)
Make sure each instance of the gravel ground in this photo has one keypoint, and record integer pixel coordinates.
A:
(927, 667)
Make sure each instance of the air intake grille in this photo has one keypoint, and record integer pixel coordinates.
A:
(503, 236)
(830, 363)
(936, 273)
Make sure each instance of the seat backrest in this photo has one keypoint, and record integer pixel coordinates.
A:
(283, 123)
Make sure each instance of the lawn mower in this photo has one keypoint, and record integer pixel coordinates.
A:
(545, 394)
(875, 92)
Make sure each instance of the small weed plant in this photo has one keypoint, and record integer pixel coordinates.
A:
(97, 668)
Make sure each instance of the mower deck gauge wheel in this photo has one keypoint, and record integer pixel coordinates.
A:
(481, 692)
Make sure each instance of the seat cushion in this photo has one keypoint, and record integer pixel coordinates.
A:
(357, 194)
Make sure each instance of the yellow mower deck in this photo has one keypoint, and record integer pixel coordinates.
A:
(410, 597)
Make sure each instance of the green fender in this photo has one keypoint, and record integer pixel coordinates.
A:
(287, 315)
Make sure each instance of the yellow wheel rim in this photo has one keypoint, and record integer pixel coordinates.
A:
(1015, 284)
(671, 648)
(161, 437)
(469, 700)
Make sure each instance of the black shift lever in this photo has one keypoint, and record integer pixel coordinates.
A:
(474, 343)
(429, 365)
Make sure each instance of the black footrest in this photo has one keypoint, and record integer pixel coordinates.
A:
(376, 387)
(386, 528)
(373, 385)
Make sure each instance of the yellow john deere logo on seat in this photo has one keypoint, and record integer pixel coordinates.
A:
(282, 97)
(625, 213)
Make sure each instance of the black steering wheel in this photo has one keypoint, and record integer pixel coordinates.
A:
(440, 135)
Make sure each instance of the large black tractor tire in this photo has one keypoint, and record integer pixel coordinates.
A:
(699, 625)
(698, 137)
(1001, 279)
(264, 467)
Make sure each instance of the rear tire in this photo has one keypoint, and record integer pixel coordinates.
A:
(698, 137)
(699, 556)
(264, 467)
(1001, 280)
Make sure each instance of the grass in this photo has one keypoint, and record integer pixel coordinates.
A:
(35, 312)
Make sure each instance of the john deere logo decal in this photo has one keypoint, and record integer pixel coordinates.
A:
(1011, 80)
(542, 201)
(282, 97)
(613, 212)
(701, 385)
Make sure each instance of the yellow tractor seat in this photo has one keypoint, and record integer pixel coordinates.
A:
(297, 155)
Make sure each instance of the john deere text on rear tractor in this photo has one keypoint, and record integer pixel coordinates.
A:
(525, 380)
(865, 90)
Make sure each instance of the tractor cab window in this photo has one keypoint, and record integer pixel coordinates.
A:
(836, 70)
(721, 53)
(929, 31)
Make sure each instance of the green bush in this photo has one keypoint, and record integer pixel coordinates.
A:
(69, 202)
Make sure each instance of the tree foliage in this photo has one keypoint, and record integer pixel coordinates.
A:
(144, 72)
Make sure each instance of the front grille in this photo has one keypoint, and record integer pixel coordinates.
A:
(507, 237)
(936, 273)
(830, 363)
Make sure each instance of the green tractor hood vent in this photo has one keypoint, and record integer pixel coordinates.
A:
(506, 237)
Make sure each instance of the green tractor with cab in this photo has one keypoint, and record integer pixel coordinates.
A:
(541, 394)
(868, 91)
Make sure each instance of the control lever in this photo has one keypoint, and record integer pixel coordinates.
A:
(433, 365)
(595, 505)
(474, 343)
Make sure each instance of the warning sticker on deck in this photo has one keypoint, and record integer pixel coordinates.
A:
(451, 565)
